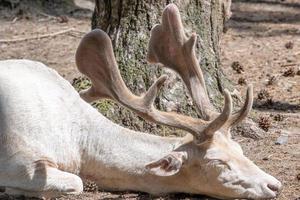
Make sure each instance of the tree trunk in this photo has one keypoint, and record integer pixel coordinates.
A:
(128, 23)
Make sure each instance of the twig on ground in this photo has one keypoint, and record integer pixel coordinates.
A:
(46, 15)
(41, 36)
(14, 20)
(75, 35)
(291, 64)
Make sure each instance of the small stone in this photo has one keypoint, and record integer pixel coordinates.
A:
(282, 139)
(289, 45)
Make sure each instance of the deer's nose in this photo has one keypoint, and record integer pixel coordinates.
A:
(275, 187)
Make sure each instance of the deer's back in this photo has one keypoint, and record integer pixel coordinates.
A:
(39, 111)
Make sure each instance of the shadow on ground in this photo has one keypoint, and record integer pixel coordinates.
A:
(32, 8)
(276, 106)
(261, 13)
(117, 196)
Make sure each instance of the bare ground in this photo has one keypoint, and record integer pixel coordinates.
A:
(263, 40)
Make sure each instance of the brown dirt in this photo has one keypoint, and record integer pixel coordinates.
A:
(263, 36)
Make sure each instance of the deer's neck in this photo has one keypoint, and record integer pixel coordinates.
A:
(115, 157)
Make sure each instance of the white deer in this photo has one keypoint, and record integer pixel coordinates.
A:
(50, 137)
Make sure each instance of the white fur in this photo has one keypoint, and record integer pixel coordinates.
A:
(43, 120)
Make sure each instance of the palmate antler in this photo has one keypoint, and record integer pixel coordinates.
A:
(169, 46)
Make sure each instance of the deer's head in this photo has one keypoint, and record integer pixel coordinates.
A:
(210, 160)
(216, 167)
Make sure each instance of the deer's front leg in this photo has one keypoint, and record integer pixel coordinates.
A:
(46, 183)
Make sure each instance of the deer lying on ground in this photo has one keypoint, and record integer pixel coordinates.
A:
(50, 137)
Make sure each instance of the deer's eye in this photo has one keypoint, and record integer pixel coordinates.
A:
(219, 164)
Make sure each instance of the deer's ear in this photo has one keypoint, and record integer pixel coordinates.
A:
(168, 165)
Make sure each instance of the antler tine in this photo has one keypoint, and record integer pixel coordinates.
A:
(95, 59)
(153, 90)
(244, 111)
(223, 118)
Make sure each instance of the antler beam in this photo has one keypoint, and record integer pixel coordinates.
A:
(95, 59)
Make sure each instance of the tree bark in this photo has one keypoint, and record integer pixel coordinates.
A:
(128, 23)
